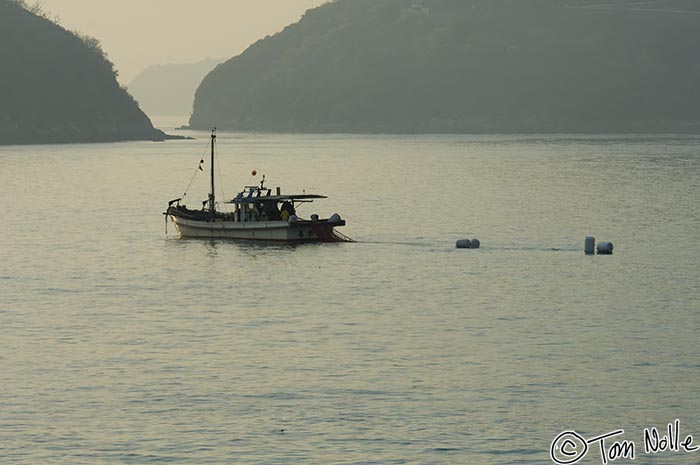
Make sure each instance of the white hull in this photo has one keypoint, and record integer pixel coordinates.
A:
(281, 231)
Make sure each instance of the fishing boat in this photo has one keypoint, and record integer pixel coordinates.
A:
(257, 215)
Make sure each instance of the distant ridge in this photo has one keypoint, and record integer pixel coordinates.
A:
(168, 89)
(467, 66)
(58, 87)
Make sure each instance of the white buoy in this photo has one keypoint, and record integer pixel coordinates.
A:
(605, 248)
(589, 245)
(464, 244)
(475, 243)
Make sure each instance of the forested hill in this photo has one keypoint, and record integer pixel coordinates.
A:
(410, 66)
(58, 87)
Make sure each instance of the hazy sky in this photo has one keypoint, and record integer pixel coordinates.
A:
(139, 33)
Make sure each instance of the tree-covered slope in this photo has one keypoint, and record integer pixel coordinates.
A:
(467, 66)
(58, 87)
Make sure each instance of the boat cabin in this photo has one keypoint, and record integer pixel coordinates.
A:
(256, 203)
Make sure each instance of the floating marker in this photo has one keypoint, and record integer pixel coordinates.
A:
(464, 244)
(589, 245)
(605, 248)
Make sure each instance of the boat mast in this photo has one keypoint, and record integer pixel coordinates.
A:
(211, 194)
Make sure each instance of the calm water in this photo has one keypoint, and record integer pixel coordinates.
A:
(121, 345)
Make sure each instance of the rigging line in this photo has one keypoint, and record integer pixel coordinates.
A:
(221, 181)
(198, 168)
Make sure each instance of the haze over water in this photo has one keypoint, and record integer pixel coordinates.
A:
(119, 344)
